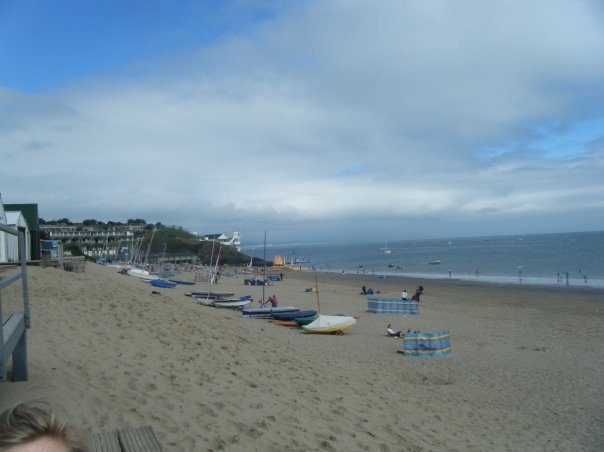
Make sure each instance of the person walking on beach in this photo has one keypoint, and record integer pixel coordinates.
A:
(405, 295)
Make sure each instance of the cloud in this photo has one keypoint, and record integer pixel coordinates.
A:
(335, 111)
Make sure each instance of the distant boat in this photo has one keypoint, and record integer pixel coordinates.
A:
(386, 249)
(434, 262)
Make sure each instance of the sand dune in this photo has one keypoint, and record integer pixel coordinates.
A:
(525, 374)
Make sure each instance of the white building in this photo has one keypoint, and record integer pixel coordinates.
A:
(223, 239)
(17, 220)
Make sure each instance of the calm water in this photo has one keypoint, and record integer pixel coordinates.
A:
(550, 259)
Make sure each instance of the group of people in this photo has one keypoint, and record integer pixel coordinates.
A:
(392, 333)
(366, 291)
(415, 297)
(272, 300)
(405, 297)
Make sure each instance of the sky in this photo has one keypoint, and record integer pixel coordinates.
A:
(312, 120)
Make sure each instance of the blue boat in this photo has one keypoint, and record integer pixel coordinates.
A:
(181, 281)
(266, 313)
(306, 320)
(293, 314)
(163, 283)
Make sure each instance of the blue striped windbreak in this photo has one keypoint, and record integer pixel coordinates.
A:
(427, 344)
(393, 306)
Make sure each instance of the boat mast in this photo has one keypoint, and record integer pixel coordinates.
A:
(210, 266)
(264, 271)
(317, 288)
(148, 248)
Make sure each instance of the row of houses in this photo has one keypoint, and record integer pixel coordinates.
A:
(107, 241)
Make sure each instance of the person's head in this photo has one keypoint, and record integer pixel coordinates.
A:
(35, 428)
(389, 325)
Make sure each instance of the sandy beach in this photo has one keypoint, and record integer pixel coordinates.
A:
(525, 373)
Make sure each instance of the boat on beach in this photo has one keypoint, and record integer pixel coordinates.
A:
(325, 324)
(266, 313)
(163, 283)
(204, 301)
(234, 303)
(305, 320)
(227, 302)
(212, 295)
(183, 282)
(291, 315)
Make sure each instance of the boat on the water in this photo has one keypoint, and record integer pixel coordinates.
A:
(329, 324)
(434, 262)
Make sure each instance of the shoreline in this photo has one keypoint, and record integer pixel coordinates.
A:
(455, 281)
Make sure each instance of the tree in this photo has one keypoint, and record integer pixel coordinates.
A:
(73, 248)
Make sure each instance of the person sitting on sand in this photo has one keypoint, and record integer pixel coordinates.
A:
(30, 428)
(364, 290)
(418, 293)
(405, 295)
(392, 333)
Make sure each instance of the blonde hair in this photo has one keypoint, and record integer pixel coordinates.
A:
(24, 423)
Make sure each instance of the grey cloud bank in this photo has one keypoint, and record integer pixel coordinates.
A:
(335, 120)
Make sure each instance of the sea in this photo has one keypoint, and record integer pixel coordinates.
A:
(561, 259)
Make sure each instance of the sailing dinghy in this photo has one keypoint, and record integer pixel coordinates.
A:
(329, 324)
